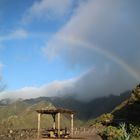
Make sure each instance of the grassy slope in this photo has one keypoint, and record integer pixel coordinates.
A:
(23, 115)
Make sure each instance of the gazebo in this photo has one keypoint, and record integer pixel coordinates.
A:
(56, 114)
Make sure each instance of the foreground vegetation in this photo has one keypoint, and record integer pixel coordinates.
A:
(122, 132)
(123, 123)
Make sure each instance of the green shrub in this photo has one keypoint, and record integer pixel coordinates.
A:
(114, 133)
(134, 130)
(105, 118)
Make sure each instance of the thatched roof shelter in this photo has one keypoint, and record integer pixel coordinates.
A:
(55, 112)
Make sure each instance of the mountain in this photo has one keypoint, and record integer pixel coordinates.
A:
(85, 110)
(22, 114)
(129, 110)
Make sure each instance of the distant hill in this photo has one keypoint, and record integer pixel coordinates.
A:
(22, 114)
(85, 110)
(129, 110)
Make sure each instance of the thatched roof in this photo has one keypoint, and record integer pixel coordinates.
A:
(55, 111)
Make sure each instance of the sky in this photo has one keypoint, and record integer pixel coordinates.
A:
(84, 48)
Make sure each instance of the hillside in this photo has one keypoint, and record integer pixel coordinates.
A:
(23, 115)
(129, 110)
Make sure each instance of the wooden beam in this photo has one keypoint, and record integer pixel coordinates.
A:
(58, 124)
(72, 116)
(38, 134)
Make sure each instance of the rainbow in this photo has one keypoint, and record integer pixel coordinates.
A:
(106, 53)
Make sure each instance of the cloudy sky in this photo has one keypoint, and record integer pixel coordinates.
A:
(87, 48)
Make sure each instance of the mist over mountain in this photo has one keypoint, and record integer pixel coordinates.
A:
(84, 110)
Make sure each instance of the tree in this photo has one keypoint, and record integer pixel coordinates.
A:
(2, 85)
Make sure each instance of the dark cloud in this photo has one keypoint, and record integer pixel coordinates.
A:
(101, 34)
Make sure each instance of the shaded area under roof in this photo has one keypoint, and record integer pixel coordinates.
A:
(55, 111)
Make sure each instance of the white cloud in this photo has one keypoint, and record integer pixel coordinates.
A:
(106, 25)
(103, 24)
(85, 87)
(16, 34)
(50, 9)
(53, 89)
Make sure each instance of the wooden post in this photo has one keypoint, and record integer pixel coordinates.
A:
(72, 124)
(58, 124)
(38, 134)
(54, 125)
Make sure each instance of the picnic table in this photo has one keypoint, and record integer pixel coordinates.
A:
(53, 133)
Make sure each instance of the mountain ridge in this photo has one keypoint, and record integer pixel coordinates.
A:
(85, 110)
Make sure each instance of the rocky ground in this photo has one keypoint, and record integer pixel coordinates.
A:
(31, 134)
